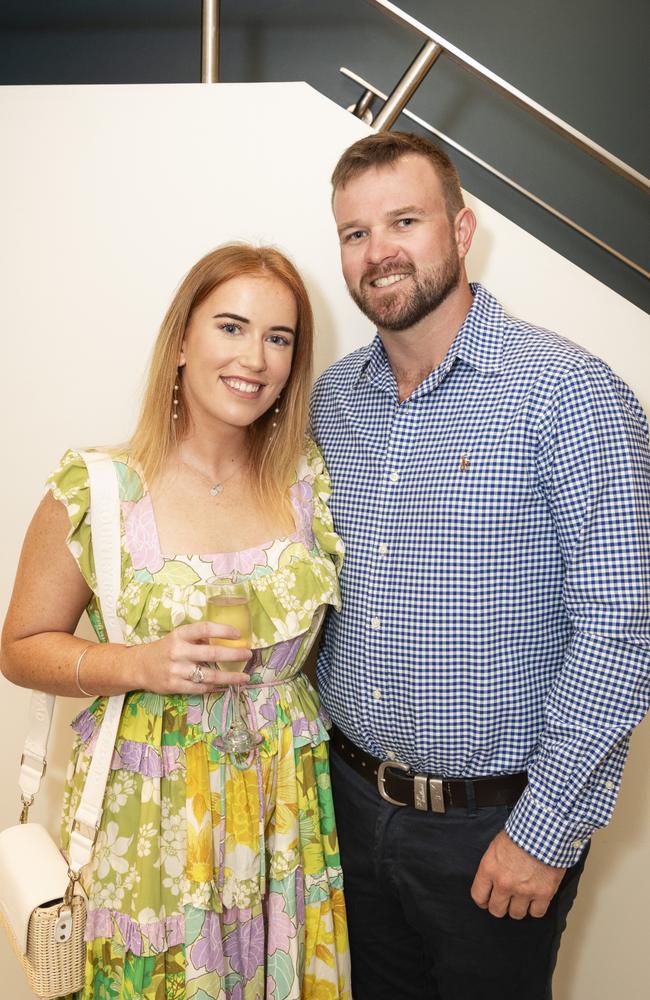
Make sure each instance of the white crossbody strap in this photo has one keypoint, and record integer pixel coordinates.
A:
(105, 533)
(32, 762)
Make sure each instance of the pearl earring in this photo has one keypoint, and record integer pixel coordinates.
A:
(175, 401)
(274, 423)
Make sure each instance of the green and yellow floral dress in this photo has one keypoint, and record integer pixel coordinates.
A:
(212, 881)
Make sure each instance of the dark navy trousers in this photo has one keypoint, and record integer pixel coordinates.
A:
(415, 932)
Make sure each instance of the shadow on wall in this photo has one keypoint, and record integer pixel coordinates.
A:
(481, 252)
(328, 337)
(605, 866)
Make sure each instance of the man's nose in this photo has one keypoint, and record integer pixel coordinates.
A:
(379, 248)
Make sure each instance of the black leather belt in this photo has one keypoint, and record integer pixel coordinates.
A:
(398, 785)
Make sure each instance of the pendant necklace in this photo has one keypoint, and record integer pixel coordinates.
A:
(217, 488)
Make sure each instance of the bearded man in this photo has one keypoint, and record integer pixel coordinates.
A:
(491, 484)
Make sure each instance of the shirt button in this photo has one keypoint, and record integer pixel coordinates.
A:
(394, 477)
(375, 623)
(576, 844)
(383, 549)
(609, 785)
(376, 694)
(391, 754)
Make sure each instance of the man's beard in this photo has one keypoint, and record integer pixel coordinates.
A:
(396, 312)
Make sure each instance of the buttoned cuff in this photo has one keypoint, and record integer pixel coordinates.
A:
(554, 839)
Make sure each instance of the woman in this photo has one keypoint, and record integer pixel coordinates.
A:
(216, 483)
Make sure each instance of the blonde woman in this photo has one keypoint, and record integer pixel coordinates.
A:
(215, 875)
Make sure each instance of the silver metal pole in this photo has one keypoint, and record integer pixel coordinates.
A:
(210, 42)
(591, 147)
(407, 86)
(363, 108)
(502, 177)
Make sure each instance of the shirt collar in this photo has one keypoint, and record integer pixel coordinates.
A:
(479, 343)
(376, 366)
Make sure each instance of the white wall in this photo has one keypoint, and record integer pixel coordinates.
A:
(108, 195)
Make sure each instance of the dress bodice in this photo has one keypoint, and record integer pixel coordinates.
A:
(291, 582)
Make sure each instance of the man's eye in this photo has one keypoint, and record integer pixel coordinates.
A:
(405, 223)
(353, 237)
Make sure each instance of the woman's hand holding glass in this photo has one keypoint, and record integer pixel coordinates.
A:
(168, 665)
(228, 604)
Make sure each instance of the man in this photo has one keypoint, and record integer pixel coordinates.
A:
(491, 484)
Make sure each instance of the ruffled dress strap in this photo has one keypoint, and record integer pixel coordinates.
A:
(285, 600)
(69, 483)
(312, 467)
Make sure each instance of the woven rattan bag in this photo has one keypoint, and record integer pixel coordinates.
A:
(41, 906)
(44, 921)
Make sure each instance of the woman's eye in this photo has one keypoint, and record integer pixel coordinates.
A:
(279, 340)
(230, 328)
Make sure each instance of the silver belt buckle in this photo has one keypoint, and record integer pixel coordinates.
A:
(437, 795)
(381, 779)
(420, 786)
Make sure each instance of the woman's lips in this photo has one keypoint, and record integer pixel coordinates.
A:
(242, 387)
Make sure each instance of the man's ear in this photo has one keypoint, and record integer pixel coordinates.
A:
(464, 229)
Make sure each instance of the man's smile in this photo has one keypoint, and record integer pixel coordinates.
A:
(389, 279)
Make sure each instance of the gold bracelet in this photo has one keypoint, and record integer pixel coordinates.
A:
(76, 670)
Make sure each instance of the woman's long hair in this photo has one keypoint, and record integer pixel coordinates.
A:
(273, 451)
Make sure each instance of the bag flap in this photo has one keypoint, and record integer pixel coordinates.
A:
(32, 872)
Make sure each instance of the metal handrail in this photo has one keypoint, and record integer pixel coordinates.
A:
(210, 41)
(371, 91)
(395, 104)
(571, 133)
(407, 86)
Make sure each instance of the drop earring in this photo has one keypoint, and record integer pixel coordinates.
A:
(175, 401)
(274, 423)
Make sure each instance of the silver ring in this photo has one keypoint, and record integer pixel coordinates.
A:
(197, 675)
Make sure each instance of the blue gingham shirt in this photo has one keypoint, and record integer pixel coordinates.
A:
(496, 582)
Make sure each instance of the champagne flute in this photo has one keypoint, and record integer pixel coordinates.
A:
(228, 604)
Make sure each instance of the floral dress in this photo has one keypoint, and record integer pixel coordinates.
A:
(213, 878)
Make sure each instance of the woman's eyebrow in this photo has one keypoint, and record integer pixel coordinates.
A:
(242, 319)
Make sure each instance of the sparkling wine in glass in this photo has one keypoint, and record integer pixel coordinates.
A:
(229, 605)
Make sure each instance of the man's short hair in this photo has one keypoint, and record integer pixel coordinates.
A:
(383, 149)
